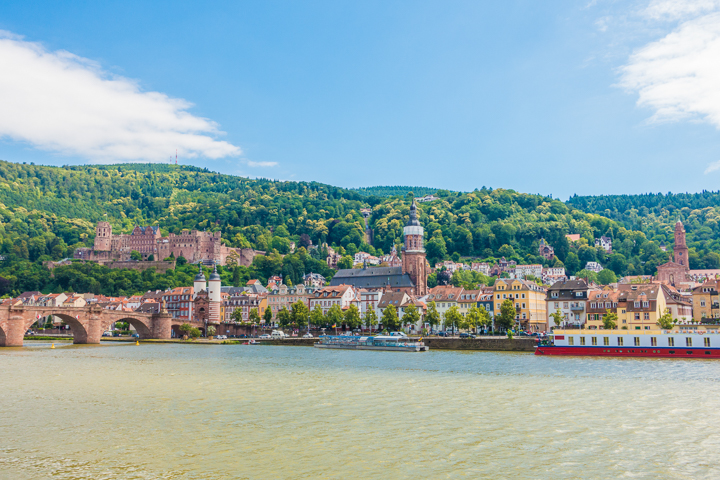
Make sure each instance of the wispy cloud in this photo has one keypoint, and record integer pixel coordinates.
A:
(251, 163)
(713, 167)
(678, 76)
(57, 101)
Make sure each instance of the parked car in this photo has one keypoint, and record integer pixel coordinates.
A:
(107, 334)
(278, 334)
(398, 334)
(135, 335)
(265, 336)
(308, 335)
(467, 335)
(115, 334)
(444, 334)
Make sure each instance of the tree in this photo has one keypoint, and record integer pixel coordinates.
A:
(411, 316)
(335, 316)
(557, 317)
(506, 319)
(606, 277)
(453, 317)
(267, 315)
(254, 316)
(610, 320)
(432, 317)
(211, 330)
(181, 261)
(237, 315)
(473, 317)
(284, 318)
(151, 258)
(390, 319)
(195, 332)
(345, 262)
(485, 320)
(666, 322)
(185, 328)
(317, 317)
(352, 317)
(299, 314)
(135, 255)
(370, 319)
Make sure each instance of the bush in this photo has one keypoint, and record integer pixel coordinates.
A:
(195, 332)
(211, 331)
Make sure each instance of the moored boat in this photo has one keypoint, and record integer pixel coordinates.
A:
(690, 343)
(379, 342)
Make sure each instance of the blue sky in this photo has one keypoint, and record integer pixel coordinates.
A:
(555, 98)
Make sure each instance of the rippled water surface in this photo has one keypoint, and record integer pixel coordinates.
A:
(211, 412)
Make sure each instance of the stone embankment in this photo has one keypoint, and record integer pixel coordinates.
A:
(435, 343)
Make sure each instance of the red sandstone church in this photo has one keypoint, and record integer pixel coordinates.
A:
(677, 271)
(410, 278)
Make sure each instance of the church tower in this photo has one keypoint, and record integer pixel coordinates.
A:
(413, 253)
(681, 250)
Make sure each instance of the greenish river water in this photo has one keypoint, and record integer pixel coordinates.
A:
(214, 412)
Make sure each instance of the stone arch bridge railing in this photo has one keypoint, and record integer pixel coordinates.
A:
(87, 323)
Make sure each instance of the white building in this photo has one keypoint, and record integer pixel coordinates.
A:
(483, 268)
(605, 243)
(522, 271)
(593, 267)
(342, 295)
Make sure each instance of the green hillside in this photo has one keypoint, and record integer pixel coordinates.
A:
(47, 212)
(656, 215)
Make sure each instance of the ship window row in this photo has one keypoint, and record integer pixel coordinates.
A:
(636, 341)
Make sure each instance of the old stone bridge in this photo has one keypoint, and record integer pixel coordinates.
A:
(87, 323)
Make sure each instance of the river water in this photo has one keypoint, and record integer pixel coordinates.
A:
(213, 412)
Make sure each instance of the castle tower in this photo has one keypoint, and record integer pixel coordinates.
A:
(681, 250)
(214, 289)
(413, 256)
(103, 237)
(199, 284)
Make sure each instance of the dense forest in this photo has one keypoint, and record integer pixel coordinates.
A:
(656, 214)
(47, 212)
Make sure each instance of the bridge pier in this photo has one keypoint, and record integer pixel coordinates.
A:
(162, 325)
(14, 332)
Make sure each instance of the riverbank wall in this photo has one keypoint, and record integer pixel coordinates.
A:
(435, 343)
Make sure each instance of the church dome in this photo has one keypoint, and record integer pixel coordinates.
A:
(214, 276)
(200, 277)
(413, 221)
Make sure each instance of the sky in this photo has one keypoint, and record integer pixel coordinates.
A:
(566, 97)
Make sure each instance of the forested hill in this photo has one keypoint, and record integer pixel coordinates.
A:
(656, 215)
(47, 212)
(393, 191)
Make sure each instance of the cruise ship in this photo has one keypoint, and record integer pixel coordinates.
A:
(380, 342)
(683, 343)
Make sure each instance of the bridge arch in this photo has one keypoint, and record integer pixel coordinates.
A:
(142, 328)
(3, 336)
(78, 328)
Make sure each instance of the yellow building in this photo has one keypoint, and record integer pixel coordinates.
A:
(529, 300)
(638, 307)
(705, 301)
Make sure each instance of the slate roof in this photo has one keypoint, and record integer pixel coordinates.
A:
(372, 277)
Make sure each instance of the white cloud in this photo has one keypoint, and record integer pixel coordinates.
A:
(712, 167)
(252, 163)
(677, 9)
(60, 102)
(678, 76)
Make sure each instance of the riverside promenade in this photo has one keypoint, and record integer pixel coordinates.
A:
(497, 344)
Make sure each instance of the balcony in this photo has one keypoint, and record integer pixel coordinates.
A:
(578, 307)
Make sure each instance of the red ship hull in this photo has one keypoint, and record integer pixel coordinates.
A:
(630, 352)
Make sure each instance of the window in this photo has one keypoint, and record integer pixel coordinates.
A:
(706, 341)
(637, 341)
(620, 341)
(637, 316)
(646, 316)
(592, 305)
(606, 341)
(671, 342)
(582, 340)
(653, 341)
(523, 305)
(688, 342)
(702, 303)
(570, 340)
(565, 305)
(594, 340)
(523, 295)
